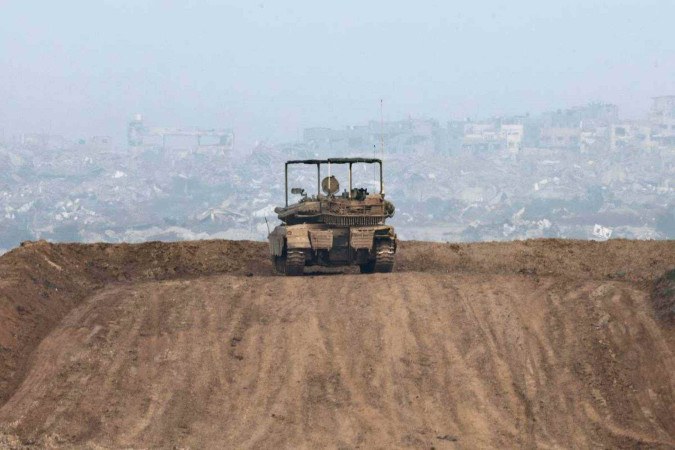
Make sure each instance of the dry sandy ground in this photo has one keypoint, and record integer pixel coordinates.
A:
(536, 344)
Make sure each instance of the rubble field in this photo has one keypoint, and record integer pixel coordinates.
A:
(540, 343)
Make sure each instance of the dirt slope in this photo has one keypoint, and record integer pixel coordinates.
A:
(41, 282)
(528, 344)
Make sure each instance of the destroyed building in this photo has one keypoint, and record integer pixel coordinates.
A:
(662, 121)
(397, 136)
(488, 179)
(199, 139)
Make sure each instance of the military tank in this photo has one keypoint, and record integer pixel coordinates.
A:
(334, 229)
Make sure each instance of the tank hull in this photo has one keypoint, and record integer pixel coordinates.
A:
(319, 244)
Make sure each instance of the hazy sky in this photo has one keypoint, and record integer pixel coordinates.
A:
(269, 69)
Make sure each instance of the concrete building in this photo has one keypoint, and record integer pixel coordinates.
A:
(662, 121)
(492, 137)
(398, 136)
(587, 117)
(41, 141)
(483, 137)
(560, 138)
(139, 135)
(513, 134)
(630, 136)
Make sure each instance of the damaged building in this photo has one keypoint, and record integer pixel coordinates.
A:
(197, 139)
(579, 173)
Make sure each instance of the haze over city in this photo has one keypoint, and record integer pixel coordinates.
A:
(270, 69)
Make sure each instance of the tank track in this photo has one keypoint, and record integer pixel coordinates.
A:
(384, 258)
(295, 262)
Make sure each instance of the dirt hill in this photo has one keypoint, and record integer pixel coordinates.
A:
(543, 343)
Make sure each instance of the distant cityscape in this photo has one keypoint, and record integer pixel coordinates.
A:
(594, 127)
(579, 173)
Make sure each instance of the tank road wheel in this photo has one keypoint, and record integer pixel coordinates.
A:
(295, 262)
(384, 256)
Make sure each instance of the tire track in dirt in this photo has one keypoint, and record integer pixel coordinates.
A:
(41, 282)
(389, 361)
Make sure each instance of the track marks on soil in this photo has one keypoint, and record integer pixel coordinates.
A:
(393, 360)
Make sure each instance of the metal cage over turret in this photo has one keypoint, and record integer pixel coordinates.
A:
(334, 230)
(329, 161)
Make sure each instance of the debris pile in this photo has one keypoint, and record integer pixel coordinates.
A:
(498, 179)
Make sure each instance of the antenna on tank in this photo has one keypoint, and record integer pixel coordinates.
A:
(381, 143)
(382, 128)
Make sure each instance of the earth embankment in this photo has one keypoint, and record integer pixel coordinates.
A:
(541, 343)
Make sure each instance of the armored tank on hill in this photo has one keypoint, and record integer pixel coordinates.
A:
(332, 229)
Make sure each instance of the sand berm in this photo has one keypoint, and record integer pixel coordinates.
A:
(529, 344)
